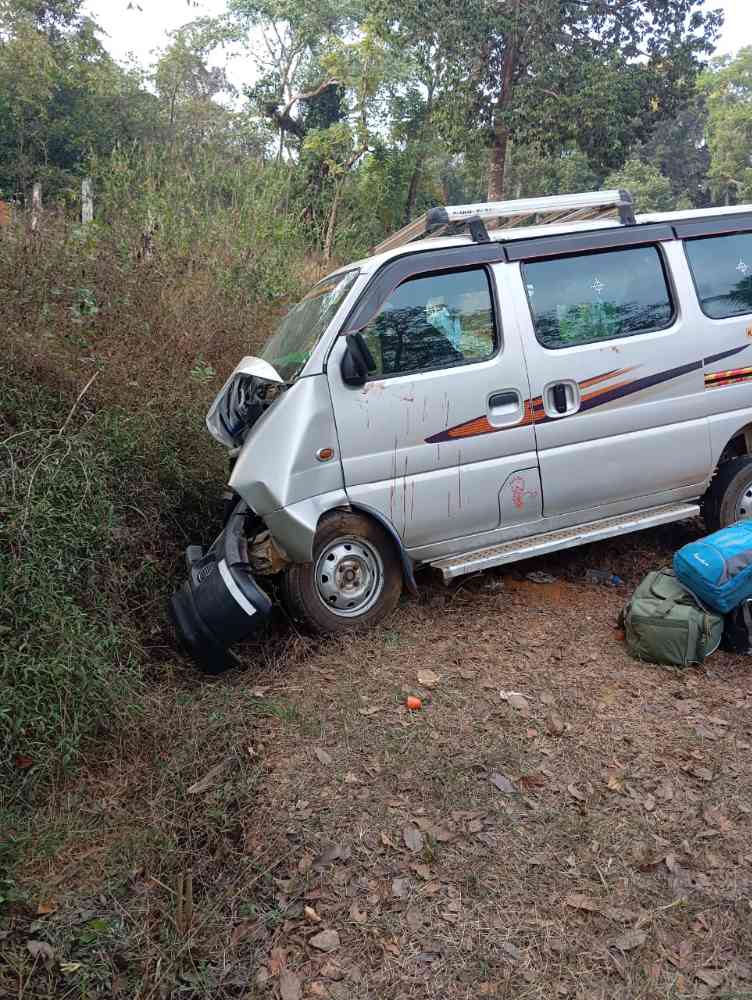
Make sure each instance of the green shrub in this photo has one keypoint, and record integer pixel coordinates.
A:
(68, 657)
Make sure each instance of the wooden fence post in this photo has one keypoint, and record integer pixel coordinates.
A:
(36, 205)
(87, 200)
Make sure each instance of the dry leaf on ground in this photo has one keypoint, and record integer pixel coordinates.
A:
(41, 949)
(325, 940)
(629, 940)
(277, 960)
(517, 700)
(427, 678)
(400, 888)
(330, 970)
(289, 986)
(323, 756)
(710, 977)
(209, 780)
(502, 783)
(554, 724)
(336, 852)
(413, 839)
(579, 901)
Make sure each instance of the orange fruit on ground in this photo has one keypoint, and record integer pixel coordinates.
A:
(414, 703)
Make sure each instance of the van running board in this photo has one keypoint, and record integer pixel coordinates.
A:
(566, 538)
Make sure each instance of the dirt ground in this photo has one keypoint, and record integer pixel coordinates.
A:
(556, 821)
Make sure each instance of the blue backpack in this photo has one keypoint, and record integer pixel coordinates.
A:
(718, 568)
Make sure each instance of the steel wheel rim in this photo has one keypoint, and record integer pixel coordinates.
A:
(744, 504)
(349, 577)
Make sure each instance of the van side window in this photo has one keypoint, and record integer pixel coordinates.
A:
(598, 296)
(434, 321)
(722, 269)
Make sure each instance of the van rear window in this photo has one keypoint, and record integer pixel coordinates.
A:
(598, 296)
(722, 269)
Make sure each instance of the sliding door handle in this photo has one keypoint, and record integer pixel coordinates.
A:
(559, 394)
(561, 398)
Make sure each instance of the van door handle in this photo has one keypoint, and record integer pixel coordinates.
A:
(560, 398)
(505, 408)
(503, 399)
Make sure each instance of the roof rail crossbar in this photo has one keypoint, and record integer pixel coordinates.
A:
(590, 205)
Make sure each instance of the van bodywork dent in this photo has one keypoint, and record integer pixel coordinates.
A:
(278, 465)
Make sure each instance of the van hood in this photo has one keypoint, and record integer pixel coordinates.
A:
(248, 392)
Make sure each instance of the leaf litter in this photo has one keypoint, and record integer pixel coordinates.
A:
(627, 876)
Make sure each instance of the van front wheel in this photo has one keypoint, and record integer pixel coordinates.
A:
(355, 578)
(729, 498)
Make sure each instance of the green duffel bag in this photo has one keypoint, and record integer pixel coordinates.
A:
(665, 623)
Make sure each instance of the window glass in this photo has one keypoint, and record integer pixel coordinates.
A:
(299, 332)
(433, 322)
(600, 296)
(722, 269)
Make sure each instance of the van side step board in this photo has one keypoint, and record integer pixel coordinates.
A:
(565, 538)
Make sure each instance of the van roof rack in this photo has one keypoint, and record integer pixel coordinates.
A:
(560, 209)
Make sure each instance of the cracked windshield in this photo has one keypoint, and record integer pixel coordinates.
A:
(299, 332)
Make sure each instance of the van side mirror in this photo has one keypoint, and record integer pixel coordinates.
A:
(357, 361)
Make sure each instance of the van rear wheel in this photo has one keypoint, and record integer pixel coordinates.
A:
(354, 580)
(729, 498)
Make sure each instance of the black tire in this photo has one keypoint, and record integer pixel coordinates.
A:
(373, 558)
(724, 501)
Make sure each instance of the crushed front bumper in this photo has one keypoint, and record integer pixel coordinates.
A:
(220, 603)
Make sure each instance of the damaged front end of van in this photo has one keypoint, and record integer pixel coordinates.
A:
(274, 416)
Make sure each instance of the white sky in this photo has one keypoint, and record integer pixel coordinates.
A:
(141, 31)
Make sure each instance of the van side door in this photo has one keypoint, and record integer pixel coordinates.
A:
(616, 369)
(441, 428)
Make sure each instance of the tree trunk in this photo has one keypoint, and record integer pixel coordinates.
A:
(497, 162)
(331, 224)
(412, 191)
(498, 152)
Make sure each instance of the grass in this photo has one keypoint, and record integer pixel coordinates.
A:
(68, 666)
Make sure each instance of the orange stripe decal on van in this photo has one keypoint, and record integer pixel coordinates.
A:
(534, 411)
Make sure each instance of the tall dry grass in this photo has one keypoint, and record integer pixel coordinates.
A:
(99, 494)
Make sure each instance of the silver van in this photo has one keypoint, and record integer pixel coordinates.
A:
(497, 381)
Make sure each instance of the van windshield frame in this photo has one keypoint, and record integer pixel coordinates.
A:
(296, 337)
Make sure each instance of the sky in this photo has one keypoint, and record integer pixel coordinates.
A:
(141, 31)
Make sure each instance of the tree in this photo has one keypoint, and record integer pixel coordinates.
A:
(360, 67)
(286, 38)
(61, 97)
(544, 70)
(727, 87)
(679, 150)
(53, 17)
(647, 185)
(188, 87)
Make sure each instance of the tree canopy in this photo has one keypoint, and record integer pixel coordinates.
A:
(378, 109)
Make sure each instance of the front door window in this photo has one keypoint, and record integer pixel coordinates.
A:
(434, 321)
